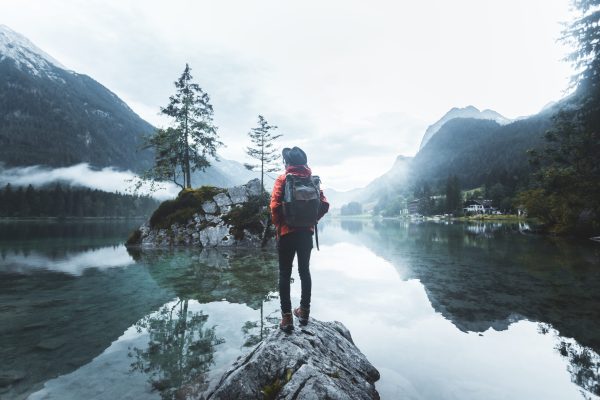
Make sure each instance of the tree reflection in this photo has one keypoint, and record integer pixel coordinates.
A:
(584, 363)
(255, 331)
(180, 351)
(176, 360)
(352, 226)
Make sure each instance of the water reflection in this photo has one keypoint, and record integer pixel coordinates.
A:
(67, 261)
(444, 310)
(179, 353)
(52, 323)
(242, 276)
(584, 364)
(490, 276)
(352, 226)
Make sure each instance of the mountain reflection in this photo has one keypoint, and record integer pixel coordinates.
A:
(584, 364)
(482, 276)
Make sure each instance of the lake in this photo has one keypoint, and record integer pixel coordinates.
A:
(442, 310)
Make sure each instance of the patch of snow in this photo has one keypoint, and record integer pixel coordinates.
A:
(27, 55)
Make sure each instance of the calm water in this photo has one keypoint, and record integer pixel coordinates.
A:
(456, 311)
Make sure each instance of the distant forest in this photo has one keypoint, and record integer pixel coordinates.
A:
(67, 201)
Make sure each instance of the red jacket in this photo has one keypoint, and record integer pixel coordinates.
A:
(277, 195)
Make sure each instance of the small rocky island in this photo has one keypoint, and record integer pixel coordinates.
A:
(316, 361)
(209, 217)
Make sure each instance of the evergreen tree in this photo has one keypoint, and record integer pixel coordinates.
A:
(188, 144)
(263, 149)
(567, 196)
(352, 208)
(583, 34)
(167, 163)
(453, 195)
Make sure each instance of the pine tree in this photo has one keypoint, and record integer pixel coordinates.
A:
(187, 145)
(583, 34)
(567, 197)
(263, 149)
(453, 195)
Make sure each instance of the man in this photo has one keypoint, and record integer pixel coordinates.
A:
(292, 241)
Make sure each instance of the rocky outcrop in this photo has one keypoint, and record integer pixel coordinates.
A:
(316, 361)
(208, 217)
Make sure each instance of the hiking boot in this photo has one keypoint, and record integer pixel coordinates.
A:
(302, 314)
(287, 322)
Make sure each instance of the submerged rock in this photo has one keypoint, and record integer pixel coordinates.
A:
(316, 361)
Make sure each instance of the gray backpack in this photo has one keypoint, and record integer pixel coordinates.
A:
(301, 200)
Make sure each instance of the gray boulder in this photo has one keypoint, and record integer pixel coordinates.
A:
(253, 187)
(238, 194)
(215, 236)
(210, 207)
(222, 200)
(317, 361)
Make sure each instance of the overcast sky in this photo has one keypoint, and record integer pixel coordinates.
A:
(354, 83)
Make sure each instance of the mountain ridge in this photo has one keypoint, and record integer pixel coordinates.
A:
(54, 117)
(465, 112)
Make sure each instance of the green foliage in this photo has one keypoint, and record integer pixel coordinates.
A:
(66, 121)
(187, 145)
(182, 209)
(453, 202)
(427, 204)
(352, 208)
(271, 391)
(249, 216)
(582, 34)
(262, 148)
(67, 201)
(566, 196)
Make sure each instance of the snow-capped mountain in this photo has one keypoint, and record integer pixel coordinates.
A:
(25, 54)
(466, 112)
(53, 117)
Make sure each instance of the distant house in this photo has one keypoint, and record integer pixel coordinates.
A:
(479, 207)
(413, 206)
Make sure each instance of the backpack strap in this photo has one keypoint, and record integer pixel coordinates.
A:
(317, 235)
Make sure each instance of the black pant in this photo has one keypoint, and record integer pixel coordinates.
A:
(298, 242)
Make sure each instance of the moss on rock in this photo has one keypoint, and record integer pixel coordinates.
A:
(183, 208)
(249, 216)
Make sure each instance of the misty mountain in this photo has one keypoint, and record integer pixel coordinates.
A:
(338, 198)
(390, 182)
(51, 116)
(467, 112)
(56, 117)
(481, 151)
(226, 173)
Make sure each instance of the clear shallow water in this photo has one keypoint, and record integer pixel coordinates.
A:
(443, 311)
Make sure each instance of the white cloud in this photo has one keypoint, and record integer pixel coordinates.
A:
(72, 263)
(314, 68)
(106, 179)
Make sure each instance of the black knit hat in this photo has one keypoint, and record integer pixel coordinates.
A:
(294, 156)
